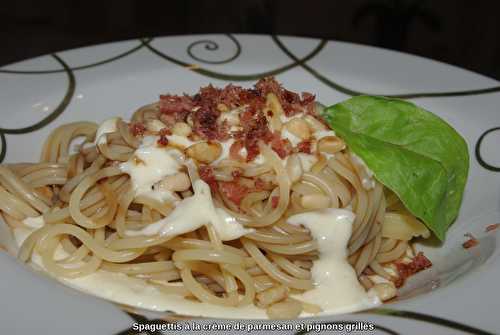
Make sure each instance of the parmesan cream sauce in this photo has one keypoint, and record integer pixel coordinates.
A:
(336, 290)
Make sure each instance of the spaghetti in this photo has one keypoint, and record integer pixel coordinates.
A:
(193, 195)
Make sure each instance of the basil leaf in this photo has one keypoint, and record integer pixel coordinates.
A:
(413, 152)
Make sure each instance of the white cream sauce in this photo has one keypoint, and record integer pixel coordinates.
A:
(150, 164)
(337, 288)
(226, 146)
(192, 213)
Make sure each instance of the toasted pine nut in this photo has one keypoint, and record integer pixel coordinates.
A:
(384, 291)
(331, 144)
(274, 104)
(314, 123)
(181, 129)
(232, 118)
(154, 125)
(205, 152)
(315, 201)
(299, 128)
(271, 295)
(177, 183)
(294, 168)
(189, 120)
(285, 310)
(222, 108)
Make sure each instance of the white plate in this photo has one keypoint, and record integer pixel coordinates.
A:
(459, 294)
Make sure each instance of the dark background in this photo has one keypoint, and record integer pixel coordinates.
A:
(464, 33)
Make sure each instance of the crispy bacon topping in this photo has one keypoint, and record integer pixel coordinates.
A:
(165, 132)
(207, 175)
(163, 140)
(492, 227)
(405, 270)
(233, 191)
(305, 147)
(205, 122)
(283, 147)
(204, 109)
(236, 174)
(137, 128)
(235, 151)
(274, 201)
(291, 102)
(471, 242)
(173, 104)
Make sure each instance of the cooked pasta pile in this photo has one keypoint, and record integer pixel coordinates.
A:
(264, 153)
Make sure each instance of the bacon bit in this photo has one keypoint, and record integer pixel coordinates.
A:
(283, 147)
(236, 174)
(205, 122)
(174, 104)
(307, 98)
(418, 263)
(233, 191)
(230, 96)
(308, 102)
(207, 175)
(204, 109)
(137, 128)
(290, 101)
(162, 141)
(492, 227)
(255, 128)
(252, 151)
(253, 98)
(471, 242)
(234, 151)
(223, 131)
(165, 132)
(275, 200)
(269, 85)
(305, 147)
(260, 185)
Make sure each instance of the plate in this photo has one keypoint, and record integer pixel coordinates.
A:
(458, 295)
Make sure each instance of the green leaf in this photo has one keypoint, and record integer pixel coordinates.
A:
(413, 152)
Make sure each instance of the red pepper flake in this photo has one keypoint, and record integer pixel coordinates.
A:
(275, 200)
(405, 270)
(471, 242)
(137, 128)
(492, 227)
